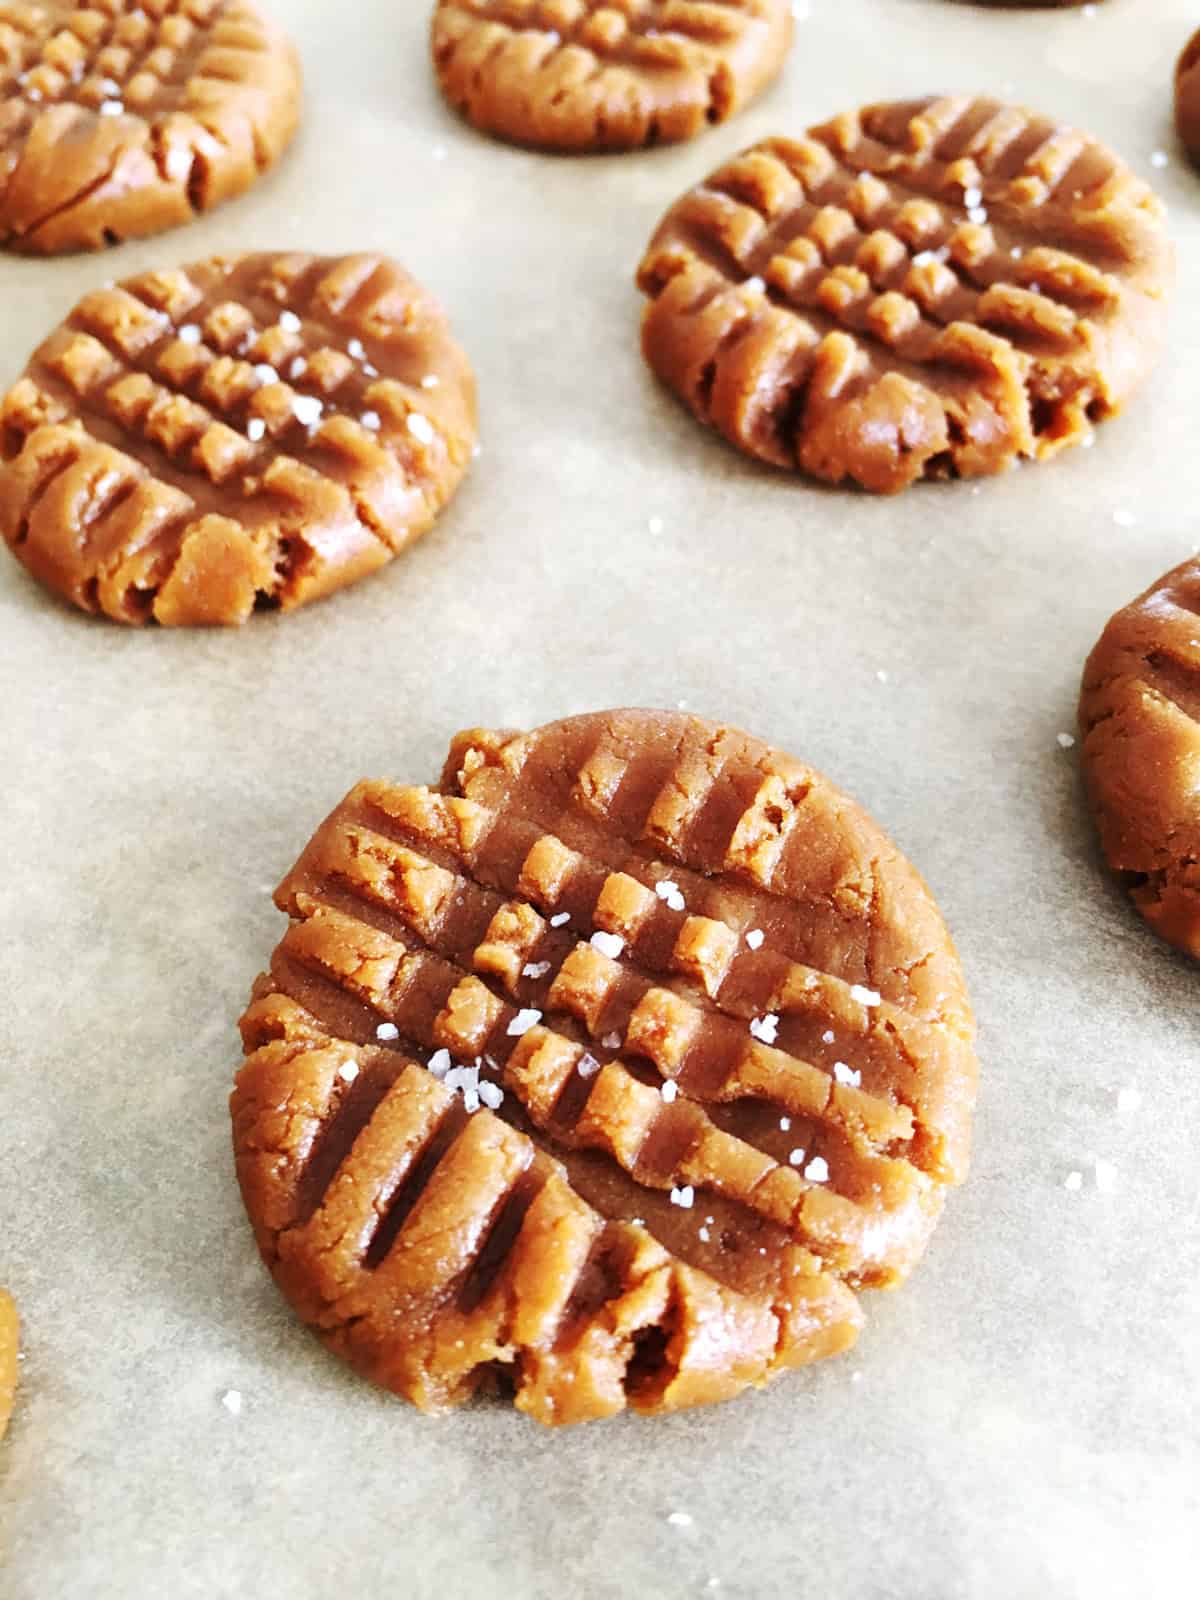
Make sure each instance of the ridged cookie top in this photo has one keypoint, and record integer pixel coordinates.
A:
(649, 1023)
(122, 117)
(1139, 713)
(258, 430)
(605, 74)
(915, 290)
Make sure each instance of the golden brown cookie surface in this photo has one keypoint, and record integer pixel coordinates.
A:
(258, 430)
(605, 74)
(1187, 97)
(1139, 713)
(917, 290)
(10, 1340)
(614, 1064)
(119, 118)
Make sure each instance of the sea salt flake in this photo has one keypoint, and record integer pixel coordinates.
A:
(348, 1071)
(232, 1401)
(668, 891)
(1073, 1180)
(387, 1030)
(1017, 252)
(827, 1036)
(704, 1235)
(535, 970)
(289, 322)
(439, 1063)
(256, 429)
(611, 1041)
(430, 381)
(1065, 740)
(846, 1074)
(972, 196)
(765, 1028)
(190, 333)
(1129, 1098)
(796, 1157)
(685, 1197)
(1106, 1175)
(1159, 158)
(561, 920)
(420, 427)
(371, 372)
(608, 944)
(680, 1519)
(785, 1123)
(265, 373)
(371, 420)
(306, 409)
(110, 86)
(755, 938)
(522, 1022)
(817, 1170)
(977, 215)
(670, 1091)
(298, 368)
(865, 997)
(462, 1078)
(111, 108)
(355, 349)
(588, 1065)
(491, 1094)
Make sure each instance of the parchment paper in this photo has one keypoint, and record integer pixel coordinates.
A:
(1021, 1420)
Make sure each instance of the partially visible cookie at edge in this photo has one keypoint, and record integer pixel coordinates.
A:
(1139, 716)
(580, 75)
(610, 1068)
(10, 1340)
(244, 432)
(924, 289)
(121, 119)
(1187, 98)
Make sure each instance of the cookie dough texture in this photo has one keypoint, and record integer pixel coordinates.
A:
(1187, 98)
(10, 1338)
(1139, 714)
(609, 1070)
(119, 118)
(577, 75)
(252, 431)
(918, 290)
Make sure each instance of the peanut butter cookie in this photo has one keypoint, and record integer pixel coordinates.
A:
(605, 74)
(252, 431)
(927, 289)
(123, 117)
(1139, 714)
(611, 1067)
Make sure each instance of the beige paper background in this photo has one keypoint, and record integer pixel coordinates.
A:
(1023, 1419)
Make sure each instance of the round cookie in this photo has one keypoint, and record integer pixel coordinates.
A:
(10, 1340)
(1187, 98)
(605, 74)
(251, 431)
(1139, 714)
(928, 289)
(120, 118)
(610, 1067)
